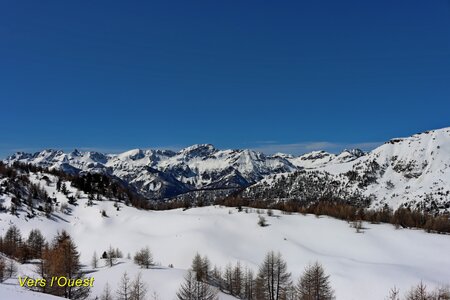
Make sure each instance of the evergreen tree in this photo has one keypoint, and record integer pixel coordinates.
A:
(35, 242)
(249, 284)
(12, 241)
(290, 293)
(64, 189)
(273, 278)
(216, 277)
(419, 292)
(187, 289)
(206, 266)
(23, 253)
(192, 289)
(228, 278)
(58, 184)
(314, 284)
(198, 268)
(237, 280)
(62, 259)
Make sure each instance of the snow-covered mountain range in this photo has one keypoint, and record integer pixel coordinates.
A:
(413, 170)
(160, 174)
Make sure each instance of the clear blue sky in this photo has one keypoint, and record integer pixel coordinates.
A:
(270, 75)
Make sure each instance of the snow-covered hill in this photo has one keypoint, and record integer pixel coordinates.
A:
(413, 170)
(361, 265)
(322, 158)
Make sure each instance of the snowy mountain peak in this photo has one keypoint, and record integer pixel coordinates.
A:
(75, 152)
(19, 156)
(283, 155)
(198, 147)
(354, 152)
(134, 154)
(160, 174)
(197, 150)
(316, 155)
(413, 169)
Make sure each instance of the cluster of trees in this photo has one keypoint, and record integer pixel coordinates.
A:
(421, 292)
(127, 289)
(192, 288)
(271, 282)
(96, 186)
(110, 256)
(306, 187)
(274, 282)
(15, 246)
(23, 192)
(62, 259)
(365, 174)
(402, 217)
(144, 258)
(58, 257)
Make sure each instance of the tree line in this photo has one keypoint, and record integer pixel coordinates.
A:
(271, 282)
(402, 217)
(274, 282)
(56, 258)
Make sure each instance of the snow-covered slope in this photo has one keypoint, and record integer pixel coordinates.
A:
(15, 292)
(322, 158)
(361, 265)
(414, 171)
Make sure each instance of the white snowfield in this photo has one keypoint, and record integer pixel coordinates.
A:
(361, 265)
(13, 292)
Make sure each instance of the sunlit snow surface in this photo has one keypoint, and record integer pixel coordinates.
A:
(362, 265)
